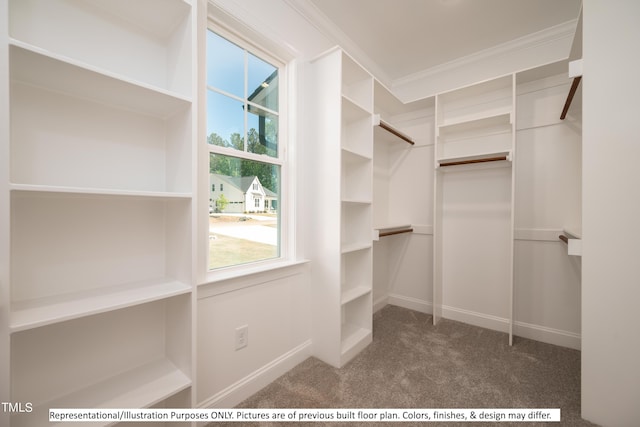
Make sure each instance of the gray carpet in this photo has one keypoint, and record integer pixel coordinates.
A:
(413, 364)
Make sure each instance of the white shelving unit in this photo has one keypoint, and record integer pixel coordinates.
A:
(474, 196)
(388, 140)
(343, 282)
(402, 146)
(101, 196)
(391, 148)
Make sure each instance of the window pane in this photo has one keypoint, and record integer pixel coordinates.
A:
(262, 83)
(244, 220)
(225, 65)
(225, 121)
(262, 137)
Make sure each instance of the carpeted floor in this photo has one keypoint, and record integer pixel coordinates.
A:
(413, 364)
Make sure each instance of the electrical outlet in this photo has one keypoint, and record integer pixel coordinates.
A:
(242, 337)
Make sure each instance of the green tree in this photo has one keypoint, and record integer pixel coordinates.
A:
(215, 139)
(222, 202)
(237, 141)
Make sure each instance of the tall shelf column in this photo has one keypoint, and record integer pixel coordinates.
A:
(99, 184)
(342, 278)
(474, 200)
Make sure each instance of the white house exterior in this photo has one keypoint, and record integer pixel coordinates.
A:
(243, 194)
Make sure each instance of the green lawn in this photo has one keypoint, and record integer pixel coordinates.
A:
(226, 251)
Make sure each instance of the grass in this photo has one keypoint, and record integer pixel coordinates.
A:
(226, 251)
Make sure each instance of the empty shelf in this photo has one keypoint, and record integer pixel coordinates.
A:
(139, 388)
(44, 311)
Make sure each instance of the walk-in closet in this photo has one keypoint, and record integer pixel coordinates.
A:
(473, 162)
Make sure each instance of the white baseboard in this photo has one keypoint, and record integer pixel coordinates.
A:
(411, 303)
(257, 380)
(521, 329)
(380, 303)
(549, 335)
(475, 318)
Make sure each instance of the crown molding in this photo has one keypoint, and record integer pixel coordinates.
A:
(236, 17)
(548, 35)
(539, 39)
(307, 10)
(541, 45)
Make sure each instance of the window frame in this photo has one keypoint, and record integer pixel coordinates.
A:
(285, 198)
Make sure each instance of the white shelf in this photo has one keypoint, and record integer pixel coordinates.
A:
(343, 145)
(352, 111)
(355, 293)
(141, 387)
(476, 123)
(98, 191)
(352, 156)
(353, 335)
(357, 83)
(166, 16)
(45, 311)
(37, 67)
(354, 247)
(356, 201)
(101, 156)
(391, 227)
(61, 141)
(147, 41)
(474, 132)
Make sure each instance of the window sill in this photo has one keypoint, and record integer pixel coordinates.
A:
(228, 280)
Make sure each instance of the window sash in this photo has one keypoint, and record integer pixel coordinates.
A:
(280, 160)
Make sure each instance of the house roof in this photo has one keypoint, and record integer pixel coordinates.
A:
(243, 183)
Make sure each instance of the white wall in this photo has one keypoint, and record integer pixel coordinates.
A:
(403, 193)
(4, 215)
(547, 280)
(273, 306)
(274, 303)
(548, 189)
(611, 208)
(544, 47)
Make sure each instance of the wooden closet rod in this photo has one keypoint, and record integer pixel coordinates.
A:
(468, 162)
(564, 238)
(394, 232)
(397, 133)
(572, 92)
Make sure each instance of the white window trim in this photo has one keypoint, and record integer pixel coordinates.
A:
(285, 160)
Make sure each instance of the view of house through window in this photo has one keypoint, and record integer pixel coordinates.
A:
(242, 125)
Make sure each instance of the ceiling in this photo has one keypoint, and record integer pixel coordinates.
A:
(404, 37)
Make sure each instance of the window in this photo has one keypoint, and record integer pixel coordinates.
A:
(245, 153)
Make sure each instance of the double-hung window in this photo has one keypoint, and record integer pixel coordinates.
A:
(246, 152)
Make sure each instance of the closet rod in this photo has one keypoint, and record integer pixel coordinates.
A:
(397, 133)
(572, 92)
(564, 238)
(394, 232)
(468, 162)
